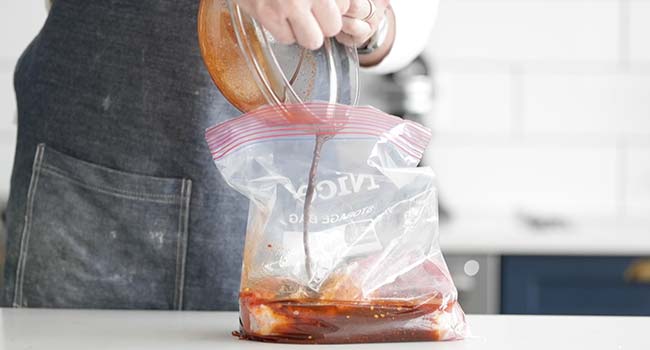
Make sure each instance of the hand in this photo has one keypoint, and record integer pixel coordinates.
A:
(358, 27)
(306, 22)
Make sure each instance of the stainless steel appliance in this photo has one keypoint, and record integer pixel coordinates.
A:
(477, 278)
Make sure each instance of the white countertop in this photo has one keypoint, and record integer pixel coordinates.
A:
(583, 236)
(83, 330)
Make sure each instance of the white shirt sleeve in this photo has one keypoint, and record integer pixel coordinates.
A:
(414, 20)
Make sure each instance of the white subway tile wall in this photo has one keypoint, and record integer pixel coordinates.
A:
(503, 179)
(542, 106)
(637, 181)
(7, 99)
(639, 27)
(20, 20)
(7, 147)
(473, 102)
(527, 30)
(603, 103)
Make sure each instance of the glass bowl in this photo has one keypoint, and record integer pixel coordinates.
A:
(252, 69)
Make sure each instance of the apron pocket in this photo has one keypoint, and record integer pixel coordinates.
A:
(95, 237)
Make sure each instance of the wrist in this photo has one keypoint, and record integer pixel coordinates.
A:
(379, 47)
(376, 40)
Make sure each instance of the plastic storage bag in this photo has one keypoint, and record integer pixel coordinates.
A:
(369, 267)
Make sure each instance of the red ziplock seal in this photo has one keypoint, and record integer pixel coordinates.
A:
(315, 118)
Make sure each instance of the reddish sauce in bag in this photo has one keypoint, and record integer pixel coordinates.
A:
(321, 322)
(282, 310)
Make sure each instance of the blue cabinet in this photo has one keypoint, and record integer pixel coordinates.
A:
(575, 285)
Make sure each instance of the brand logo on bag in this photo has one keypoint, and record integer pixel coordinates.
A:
(342, 186)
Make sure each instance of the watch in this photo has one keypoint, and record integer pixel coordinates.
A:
(376, 40)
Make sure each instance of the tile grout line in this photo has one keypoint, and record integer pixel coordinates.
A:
(624, 35)
(516, 101)
(550, 66)
(621, 173)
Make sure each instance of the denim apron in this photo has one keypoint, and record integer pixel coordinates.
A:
(115, 201)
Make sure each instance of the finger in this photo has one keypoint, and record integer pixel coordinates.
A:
(271, 18)
(281, 31)
(381, 4)
(328, 16)
(306, 30)
(359, 30)
(343, 5)
(376, 18)
(359, 9)
(345, 39)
